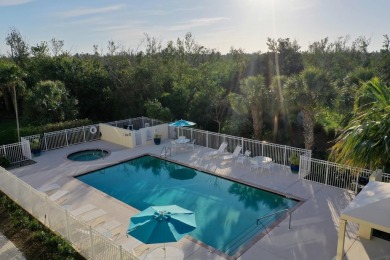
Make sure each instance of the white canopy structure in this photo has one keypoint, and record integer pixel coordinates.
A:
(370, 209)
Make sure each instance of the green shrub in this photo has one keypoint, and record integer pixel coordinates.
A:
(34, 130)
(4, 162)
(294, 159)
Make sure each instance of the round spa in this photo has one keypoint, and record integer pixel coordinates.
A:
(88, 155)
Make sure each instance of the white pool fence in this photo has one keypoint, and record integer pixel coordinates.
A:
(17, 152)
(89, 242)
(316, 170)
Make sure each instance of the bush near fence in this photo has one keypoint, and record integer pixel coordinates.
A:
(34, 130)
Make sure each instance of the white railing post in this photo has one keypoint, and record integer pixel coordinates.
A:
(262, 148)
(285, 155)
(66, 138)
(85, 140)
(67, 225)
(120, 253)
(5, 151)
(327, 174)
(357, 183)
(91, 237)
(44, 136)
(47, 215)
(207, 139)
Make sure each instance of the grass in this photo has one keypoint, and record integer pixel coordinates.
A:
(32, 238)
(8, 131)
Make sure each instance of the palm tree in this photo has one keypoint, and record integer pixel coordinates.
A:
(253, 94)
(309, 90)
(365, 141)
(11, 77)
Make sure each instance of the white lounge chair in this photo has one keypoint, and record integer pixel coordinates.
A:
(220, 151)
(91, 216)
(108, 228)
(81, 210)
(235, 154)
(58, 195)
(50, 187)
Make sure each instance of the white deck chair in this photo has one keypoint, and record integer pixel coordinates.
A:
(191, 144)
(235, 154)
(50, 187)
(91, 216)
(173, 145)
(58, 195)
(81, 210)
(254, 164)
(243, 158)
(267, 165)
(108, 228)
(220, 151)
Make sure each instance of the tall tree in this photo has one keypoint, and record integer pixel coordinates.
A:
(19, 47)
(309, 90)
(365, 141)
(252, 97)
(50, 102)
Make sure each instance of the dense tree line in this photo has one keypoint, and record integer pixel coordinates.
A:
(284, 95)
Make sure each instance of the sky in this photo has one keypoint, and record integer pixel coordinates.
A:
(215, 24)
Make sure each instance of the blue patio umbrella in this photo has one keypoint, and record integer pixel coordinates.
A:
(182, 123)
(161, 224)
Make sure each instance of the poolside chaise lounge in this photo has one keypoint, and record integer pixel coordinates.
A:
(50, 187)
(58, 195)
(220, 151)
(108, 228)
(235, 154)
(82, 210)
(93, 215)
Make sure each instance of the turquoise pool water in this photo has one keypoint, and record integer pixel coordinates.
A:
(226, 211)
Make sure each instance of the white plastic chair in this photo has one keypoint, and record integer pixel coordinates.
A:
(191, 144)
(254, 164)
(173, 145)
(242, 158)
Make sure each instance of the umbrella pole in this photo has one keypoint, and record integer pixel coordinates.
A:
(165, 252)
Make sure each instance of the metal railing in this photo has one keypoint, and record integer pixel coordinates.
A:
(67, 137)
(273, 214)
(136, 123)
(17, 152)
(90, 243)
(280, 154)
(332, 174)
(385, 177)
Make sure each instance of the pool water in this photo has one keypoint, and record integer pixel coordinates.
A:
(226, 212)
(88, 155)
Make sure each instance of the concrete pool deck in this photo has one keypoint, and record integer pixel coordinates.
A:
(314, 226)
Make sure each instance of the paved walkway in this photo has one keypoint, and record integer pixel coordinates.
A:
(8, 250)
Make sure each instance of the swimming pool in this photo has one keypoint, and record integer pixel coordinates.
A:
(88, 155)
(226, 211)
